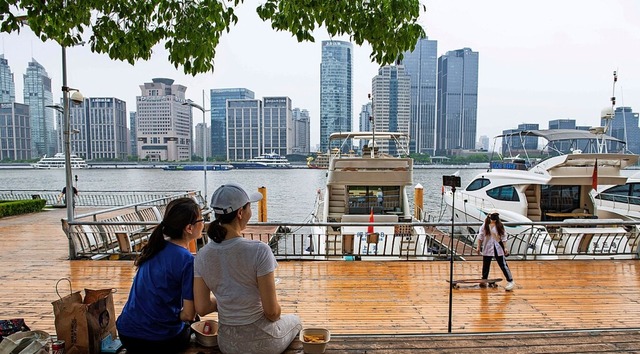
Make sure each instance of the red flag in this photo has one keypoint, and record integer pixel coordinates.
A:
(370, 228)
(594, 176)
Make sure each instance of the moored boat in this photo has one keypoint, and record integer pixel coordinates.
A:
(58, 161)
(267, 160)
(212, 167)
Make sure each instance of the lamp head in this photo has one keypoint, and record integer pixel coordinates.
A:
(76, 97)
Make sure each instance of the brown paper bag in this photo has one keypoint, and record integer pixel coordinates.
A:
(83, 324)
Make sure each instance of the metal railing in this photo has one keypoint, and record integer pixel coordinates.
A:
(89, 197)
(542, 241)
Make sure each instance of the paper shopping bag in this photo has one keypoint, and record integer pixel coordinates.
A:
(83, 324)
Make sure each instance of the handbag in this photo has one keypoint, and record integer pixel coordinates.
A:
(84, 323)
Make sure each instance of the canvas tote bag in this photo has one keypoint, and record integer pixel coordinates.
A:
(83, 324)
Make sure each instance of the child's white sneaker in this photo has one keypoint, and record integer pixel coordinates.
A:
(510, 286)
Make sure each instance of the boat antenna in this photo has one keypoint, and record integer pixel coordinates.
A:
(607, 116)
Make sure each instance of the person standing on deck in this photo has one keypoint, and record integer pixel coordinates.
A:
(160, 306)
(491, 241)
(380, 197)
(240, 274)
(63, 194)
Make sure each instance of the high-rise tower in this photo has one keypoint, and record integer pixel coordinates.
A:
(391, 104)
(219, 99)
(38, 95)
(336, 86)
(457, 100)
(421, 66)
(7, 85)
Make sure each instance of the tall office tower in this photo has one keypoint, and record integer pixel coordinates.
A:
(202, 132)
(336, 86)
(7, 85)
(277, 127)
(421, 66)
(219, 99)
(244, 129)
(37, 95)
(165, 125)
(517, 144)
(391, 105)
(562, 124)
(15, 133)
(301, 131)
(483, 143)
(365, 120)
(457, 100)
(624, 126)
(133, 137)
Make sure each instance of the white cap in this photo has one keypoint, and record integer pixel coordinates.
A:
(231, 197)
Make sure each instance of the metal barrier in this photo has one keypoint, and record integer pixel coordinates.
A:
(89, 197)
(121, 238)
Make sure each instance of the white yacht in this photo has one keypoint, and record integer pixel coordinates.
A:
(622, 201)
(362, 189)
(267, 160)
(57, 161)
(556, 189)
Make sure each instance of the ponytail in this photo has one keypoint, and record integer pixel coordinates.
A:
(179, 213)
(217, 232)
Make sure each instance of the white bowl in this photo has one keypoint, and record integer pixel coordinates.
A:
(315, 347)
(206, 340)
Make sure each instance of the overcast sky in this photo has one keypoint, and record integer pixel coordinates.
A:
(539, 60)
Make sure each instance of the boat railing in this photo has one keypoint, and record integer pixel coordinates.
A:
(122, 238)
(619, 202)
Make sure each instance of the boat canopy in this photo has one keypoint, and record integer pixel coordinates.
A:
(367, 135)
(561, 134)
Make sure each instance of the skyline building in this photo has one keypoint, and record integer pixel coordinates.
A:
(218, 98)
(457, 100)
(15, 132)
(365, 120)
(624, 126)
(37, 95)
(133, 137)
(421, 65)
(202, 132)
(391, 105)
(164, 124)
(7, 84)
(244, 127)
(301, 131)
(277, 126)
(336, 87)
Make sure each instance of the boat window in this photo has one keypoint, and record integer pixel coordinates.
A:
(478, 184)
(635, 194)
(616, 194)
(506, 193)
(380, 199)
(559, 199)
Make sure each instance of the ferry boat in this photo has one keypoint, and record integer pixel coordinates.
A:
(267, 160)
(557, 189)
(371, 187)
(57, 161)
(321, 161)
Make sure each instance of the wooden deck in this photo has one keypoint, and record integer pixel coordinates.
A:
(364, 304)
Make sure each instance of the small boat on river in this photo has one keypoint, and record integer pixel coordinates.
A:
(57, 161)
(212, 167)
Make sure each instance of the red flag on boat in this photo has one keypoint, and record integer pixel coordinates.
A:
(370, 228)
(594, 176)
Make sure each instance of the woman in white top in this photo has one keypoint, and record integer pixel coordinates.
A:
(240, 274)
(491, 241)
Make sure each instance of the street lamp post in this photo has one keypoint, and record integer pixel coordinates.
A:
(204, 141)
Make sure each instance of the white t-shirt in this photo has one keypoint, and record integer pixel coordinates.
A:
(231, 270)
(489, 242)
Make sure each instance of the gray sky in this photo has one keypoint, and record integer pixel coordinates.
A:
(539, 60)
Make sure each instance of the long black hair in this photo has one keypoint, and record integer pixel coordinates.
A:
(487, 222)
(179, 213)
(216, 231)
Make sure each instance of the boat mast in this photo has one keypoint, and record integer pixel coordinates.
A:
(607, 116)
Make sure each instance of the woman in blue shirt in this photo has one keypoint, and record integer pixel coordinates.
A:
(160, 304)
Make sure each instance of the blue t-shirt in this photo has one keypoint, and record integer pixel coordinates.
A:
(152, 311)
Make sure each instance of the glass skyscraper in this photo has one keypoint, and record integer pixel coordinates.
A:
(391, 105)
(277, 126)
(624, 126)
(457, 101)
(336, 86)
(7, 85)
(421, 66)
(38, 95)
(219, 99)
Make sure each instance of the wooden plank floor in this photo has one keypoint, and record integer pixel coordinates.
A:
(349, 298)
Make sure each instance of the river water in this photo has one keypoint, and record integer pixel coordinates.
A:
(291, 193)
